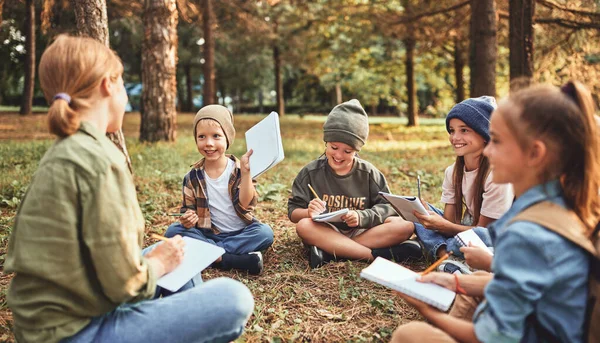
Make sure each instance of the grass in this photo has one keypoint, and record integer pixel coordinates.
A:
(293, 303)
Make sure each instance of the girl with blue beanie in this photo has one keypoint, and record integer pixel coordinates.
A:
(471, 199)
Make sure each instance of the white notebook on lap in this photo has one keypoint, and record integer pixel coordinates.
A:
(403, 280)
(197, 256)
(264, 139)
(332, 217)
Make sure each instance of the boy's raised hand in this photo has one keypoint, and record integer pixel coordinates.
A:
(245, 161)
(189, 219)
(316, 207)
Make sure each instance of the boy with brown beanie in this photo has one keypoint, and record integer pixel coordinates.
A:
(219, 196)
(343, 180)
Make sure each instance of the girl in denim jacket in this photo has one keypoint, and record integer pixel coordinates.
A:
(544, 141)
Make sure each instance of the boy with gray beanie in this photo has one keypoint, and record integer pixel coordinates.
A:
(342, 180)
(219, 196)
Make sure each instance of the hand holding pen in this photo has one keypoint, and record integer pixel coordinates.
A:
(315, 206)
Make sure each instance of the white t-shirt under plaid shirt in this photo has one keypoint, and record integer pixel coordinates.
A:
(222, 212)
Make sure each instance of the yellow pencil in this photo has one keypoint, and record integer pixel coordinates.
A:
(159, 237)
(437, 263)
(313, 192)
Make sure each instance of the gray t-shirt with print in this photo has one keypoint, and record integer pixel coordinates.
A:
(358, 190)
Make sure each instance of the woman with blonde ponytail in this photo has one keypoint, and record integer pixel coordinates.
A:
(80, 273)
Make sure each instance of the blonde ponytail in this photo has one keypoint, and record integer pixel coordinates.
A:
(71, 68)
(63, 121)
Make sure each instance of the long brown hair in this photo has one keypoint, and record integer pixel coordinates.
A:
(565, 121)
(477, 190)
(75, 66)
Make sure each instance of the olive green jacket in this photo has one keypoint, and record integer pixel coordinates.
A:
(76, 245)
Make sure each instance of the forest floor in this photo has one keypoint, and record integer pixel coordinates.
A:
(293, 303)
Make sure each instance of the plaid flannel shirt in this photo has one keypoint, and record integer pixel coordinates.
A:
(195, 197)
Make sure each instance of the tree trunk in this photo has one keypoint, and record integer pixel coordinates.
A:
(338, 93)
(483, 48)
(261, 105)
(459, 66)
(27, 99)
(521, 42)
(413, 119)
(208, 19)
(91, 18)
(92, 21)
(159, 70)
(189, 88)
(278, 81)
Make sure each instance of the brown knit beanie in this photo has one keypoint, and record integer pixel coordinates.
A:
(347, 123)
(221, 115)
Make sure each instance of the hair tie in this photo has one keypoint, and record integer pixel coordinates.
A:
(66, 97)
(569, 90)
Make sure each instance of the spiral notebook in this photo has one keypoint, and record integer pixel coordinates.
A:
(403, 280)
(469, 236)
(332, 217)
(405, 206)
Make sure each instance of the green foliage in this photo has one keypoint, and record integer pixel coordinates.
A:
(272, 192)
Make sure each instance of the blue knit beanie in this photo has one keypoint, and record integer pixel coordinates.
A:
(475, 112)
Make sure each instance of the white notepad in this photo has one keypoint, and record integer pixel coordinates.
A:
(403, 280)
(405, 206)
(332, 217)
(469, 236)
(264, 139)
(197, 256)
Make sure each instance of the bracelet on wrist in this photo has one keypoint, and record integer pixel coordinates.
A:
(459, 289)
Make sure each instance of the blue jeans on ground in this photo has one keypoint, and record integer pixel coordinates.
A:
(254, 237)
(215, 311)
(212, 311)
(433, 240)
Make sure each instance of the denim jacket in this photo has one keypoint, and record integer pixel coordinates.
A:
(535, 271)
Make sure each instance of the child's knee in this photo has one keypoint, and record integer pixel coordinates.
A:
(174, 229)
(304, 226)
(266, 233)
(411, 332)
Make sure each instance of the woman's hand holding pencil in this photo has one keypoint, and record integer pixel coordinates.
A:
(166, 256)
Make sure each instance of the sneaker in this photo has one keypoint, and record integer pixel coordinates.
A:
(454, 267)
(251, 262)
(403, 252)
(318, 257)
(259, 266)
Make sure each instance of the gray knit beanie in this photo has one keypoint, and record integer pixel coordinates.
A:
(221, 115)
(347, 123)
(476, 113)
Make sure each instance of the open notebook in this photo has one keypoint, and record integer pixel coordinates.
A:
(332, 217)
(403, 280)
(405, 206)
(469, 236)
(197, 256)
(264, 139)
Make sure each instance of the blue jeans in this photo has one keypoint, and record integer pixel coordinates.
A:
(433, 240)
(214, 311)
(254, 237)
